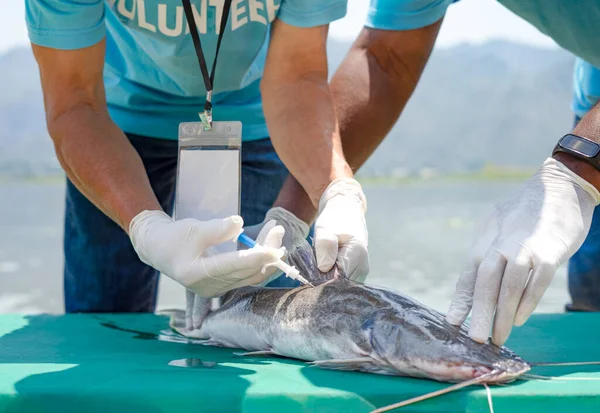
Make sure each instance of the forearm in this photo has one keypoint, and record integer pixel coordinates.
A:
(588, 127)
(102, 164)
(374, 83)
(304, 131)
(370, 89)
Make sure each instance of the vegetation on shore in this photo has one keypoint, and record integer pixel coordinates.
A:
(487, 173)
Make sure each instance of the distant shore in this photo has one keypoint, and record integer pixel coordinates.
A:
(500, 174)
(490, 173)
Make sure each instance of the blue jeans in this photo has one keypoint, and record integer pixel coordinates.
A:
(584, 269)
(103, 273)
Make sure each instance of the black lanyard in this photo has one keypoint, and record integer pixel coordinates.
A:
(208, 80)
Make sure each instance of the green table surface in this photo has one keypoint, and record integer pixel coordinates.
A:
(133, 363)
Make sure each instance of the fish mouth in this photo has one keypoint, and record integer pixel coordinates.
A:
(455, 371)
(509, 371)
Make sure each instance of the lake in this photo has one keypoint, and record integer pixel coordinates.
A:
(419, 236)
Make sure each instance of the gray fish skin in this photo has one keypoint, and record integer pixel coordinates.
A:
(341, 324)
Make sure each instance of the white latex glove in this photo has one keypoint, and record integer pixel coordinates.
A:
(176, 248)
(295, 229)
(341, 229)
(538, 229)
(197, 307)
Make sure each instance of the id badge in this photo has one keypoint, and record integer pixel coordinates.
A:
(208, 184)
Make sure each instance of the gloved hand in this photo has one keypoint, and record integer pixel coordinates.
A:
(176, 248)
(295, 228)
(197, 307)
(341, 229)
(538, 229)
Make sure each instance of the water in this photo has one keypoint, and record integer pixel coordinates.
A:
(419, 237)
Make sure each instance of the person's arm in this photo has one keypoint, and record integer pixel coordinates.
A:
(525, 240)
(370, 89)
(588, 127)
(94, 152)
(105, 167)
(299, 109)
(301, 118)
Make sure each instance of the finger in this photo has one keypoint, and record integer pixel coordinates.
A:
(201, 310)
(326, 249)
(255, 279)
(353, 260)
(274, 238)
(485, 295)
(189, 309)
(260, 239)
(217, 231)
(462, 300)
(537, 286)
(511, 290)
(229, 267)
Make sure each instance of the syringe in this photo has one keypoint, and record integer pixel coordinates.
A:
(287, 269)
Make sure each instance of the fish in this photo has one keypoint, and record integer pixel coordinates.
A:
(345, 325)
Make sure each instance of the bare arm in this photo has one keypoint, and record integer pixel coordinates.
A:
(299, 108)
(370, 89)
(93, 151)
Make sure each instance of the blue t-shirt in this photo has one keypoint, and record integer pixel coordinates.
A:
(152, 76)
(405, 14)
(574, 26)
(586, 87)
(571, 24)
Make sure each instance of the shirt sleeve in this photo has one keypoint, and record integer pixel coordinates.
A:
(65, 24)
(405, 14)
(311, 13)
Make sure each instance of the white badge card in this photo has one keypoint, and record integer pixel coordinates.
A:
(208, 182)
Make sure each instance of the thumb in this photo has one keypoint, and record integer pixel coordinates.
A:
(272, 235)
(326, 249)
(217, 231)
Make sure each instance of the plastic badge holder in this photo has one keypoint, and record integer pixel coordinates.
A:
(209, 173)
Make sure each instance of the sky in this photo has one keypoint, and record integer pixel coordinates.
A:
(473, 21)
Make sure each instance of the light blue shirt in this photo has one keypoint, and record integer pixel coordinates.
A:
(574, 26)
(405, 14)
(586, 87)
(152, 76)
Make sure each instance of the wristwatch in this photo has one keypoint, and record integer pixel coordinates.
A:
(579, 147)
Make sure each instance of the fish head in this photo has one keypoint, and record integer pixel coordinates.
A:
(419, 342)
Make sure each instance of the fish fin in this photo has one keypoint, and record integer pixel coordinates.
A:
(358, 363)
(302, 256)
(216, 343)
(257, 353)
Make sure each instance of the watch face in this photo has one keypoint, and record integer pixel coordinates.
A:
(582, 146)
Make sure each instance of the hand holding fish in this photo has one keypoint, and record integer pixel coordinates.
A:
(536, 231)
(179, 250)
(295, 229)
(341, 230)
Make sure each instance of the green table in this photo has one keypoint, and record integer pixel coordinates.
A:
(132, 363)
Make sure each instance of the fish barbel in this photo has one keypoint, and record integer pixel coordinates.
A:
(344, 325)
